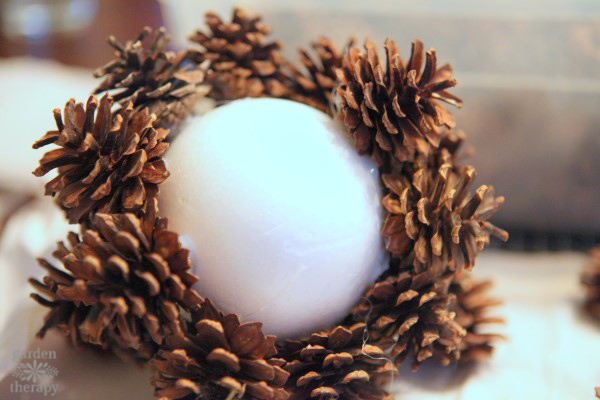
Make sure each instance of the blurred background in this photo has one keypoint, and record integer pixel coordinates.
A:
(72, 32)
(528, 71)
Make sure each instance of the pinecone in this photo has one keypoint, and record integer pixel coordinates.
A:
(315, 87)
(107, 162)
(218, 358)
(451, 151)
(393, 108)
(167, 83)
(242, 62)
(337, 364)
(433, 221)
(124, 283)
(591, 282)
(411, 316)
(471, 308)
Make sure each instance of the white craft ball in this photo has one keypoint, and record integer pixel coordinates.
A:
(281, 214)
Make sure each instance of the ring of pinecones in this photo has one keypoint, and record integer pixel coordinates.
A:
(124, 283)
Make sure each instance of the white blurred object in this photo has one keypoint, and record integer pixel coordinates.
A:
(283, 214)
(31, 89)
(30, 233)
(20, 320)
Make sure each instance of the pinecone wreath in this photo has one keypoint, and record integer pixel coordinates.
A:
(218, 358)
(316, 86)
(411, 316)
(591, 283)
(125, 283)
(107, 161)
(168, 84)
(472, 308)
(242, 62)
(433, 219)
(393, 108)
(337, 363)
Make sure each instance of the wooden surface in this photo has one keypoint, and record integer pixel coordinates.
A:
(88, 48)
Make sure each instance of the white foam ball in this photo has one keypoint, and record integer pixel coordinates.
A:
(280, 212)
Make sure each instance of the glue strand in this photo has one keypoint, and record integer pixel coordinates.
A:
(366, 339)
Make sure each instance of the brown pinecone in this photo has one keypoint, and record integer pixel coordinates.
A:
(107, 161)
(167, 83)
(591, 282)
(433, 221)
(411, 316)
(122, 286)
(471, 307)
(218, 358)
(337, 364)
(242, 61)
(393, 108)
(451, 151)
(315, 87)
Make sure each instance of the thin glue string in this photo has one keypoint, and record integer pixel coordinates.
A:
(233, 395)
(366, 339)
